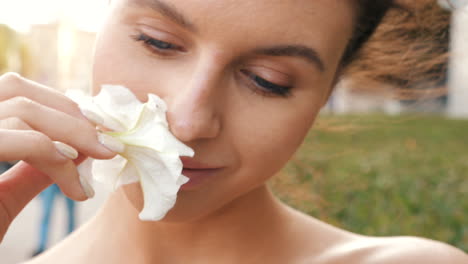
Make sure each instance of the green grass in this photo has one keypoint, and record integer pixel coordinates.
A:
(384, 176)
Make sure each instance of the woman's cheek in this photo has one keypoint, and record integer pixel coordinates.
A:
(268, 146)
(117, 60)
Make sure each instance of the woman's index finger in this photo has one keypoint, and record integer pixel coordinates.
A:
(19, 86)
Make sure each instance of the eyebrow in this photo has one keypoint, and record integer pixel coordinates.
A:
(166, 10)
(300, 51)
(308, 54)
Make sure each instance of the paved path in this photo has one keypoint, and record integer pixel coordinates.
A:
(22, 237)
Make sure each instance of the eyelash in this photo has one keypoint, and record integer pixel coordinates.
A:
(262, 86)
(157, 46)
(266, 87)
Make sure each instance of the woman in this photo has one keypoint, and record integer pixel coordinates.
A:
(244, 81)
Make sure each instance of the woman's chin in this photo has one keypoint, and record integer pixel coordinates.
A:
(185, 209)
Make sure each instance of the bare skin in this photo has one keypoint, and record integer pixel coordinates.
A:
(279, 235)
(28, 114)
(244, 108)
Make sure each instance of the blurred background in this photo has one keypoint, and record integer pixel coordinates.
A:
(388, 156)
(50, 42)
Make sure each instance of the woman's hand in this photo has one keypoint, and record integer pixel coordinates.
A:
(49, 134)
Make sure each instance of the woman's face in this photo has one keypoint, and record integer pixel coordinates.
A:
(243, 80)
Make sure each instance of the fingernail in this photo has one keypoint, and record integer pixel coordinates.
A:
(111, 143)
(66, 150)
(92, 117)
(87, 188)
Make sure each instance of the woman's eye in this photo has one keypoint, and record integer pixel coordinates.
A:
(267, 87)
(155, 44)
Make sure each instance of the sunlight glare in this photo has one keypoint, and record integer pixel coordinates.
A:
(20, 14)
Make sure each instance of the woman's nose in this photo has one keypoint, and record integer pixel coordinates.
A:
(193, 112)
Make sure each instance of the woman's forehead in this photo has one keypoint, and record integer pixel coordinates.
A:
(318, 23)
(255, 10)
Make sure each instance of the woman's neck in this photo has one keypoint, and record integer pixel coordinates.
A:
(239, 229)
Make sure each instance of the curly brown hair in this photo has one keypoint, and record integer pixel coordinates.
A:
(409, 52)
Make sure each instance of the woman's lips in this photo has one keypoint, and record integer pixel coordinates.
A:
(197, 172)
(197, 177)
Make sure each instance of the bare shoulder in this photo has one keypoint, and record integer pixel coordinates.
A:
(313, 241)
(416, 250)
(395, 250)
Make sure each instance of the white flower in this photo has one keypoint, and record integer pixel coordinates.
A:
(151, 153)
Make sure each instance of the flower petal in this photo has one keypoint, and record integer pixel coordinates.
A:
(108, 171)
(160, 181)
(87, 103)
(152, 131)
(120, 104)
(156, 206)
(152, 153)
(128, 175)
